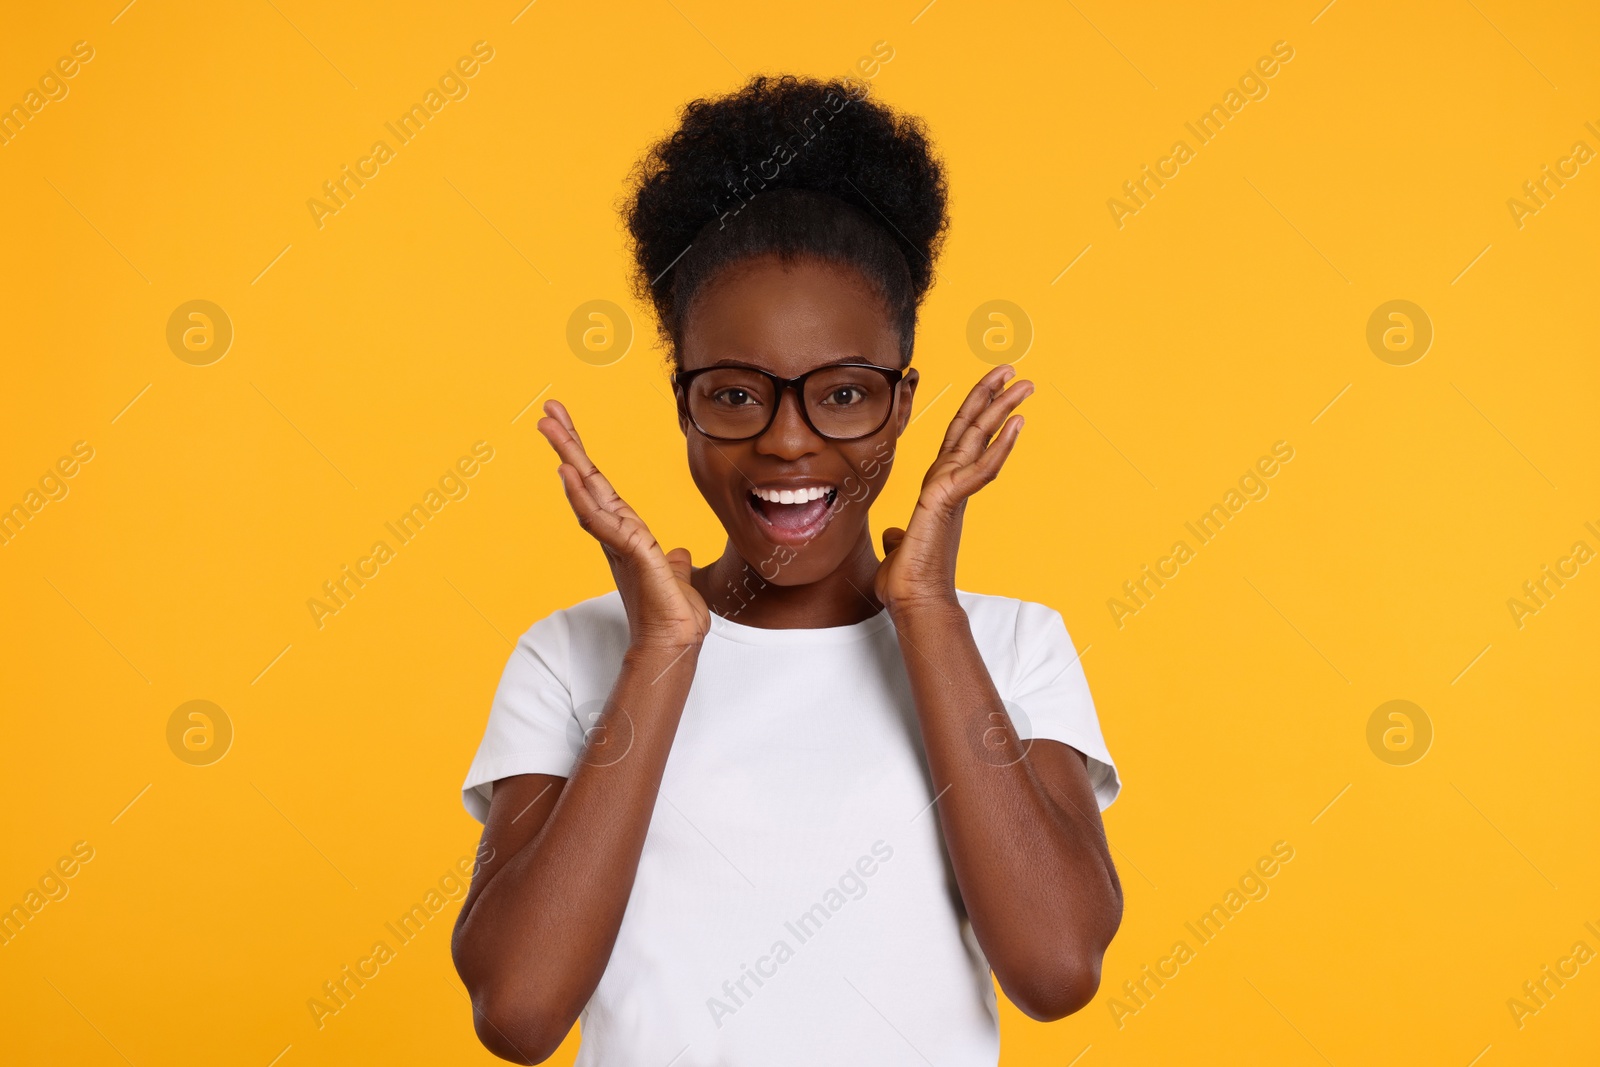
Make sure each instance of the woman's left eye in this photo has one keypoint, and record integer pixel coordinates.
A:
(843, 391)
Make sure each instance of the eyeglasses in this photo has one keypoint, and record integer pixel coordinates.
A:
(841, 401)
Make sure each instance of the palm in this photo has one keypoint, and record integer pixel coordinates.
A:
(655, 587)
(919, 561)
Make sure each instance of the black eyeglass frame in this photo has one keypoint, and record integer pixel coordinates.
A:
(682, 379)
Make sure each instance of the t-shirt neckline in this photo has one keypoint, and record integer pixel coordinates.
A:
(741, 633)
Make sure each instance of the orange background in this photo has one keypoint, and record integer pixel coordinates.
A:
(1229, 313)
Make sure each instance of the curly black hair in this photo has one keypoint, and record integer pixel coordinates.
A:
(795, 167)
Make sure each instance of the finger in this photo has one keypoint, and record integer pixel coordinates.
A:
(557, 410)
(604, 525)
(619, 530)
(681, 562)
(559, 431)
(986, 469)
(891, 539)
(977, 435)
(978, 399)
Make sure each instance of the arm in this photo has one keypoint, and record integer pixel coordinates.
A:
(1021, 822)
(541, 917)
(542, 914)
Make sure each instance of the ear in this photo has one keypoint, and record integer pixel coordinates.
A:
(909, 384)
(683, 415)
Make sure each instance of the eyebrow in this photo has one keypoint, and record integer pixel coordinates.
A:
(819, 366)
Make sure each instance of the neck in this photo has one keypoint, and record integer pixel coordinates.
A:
(739, 590)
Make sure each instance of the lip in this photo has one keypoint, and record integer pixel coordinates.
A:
(801, 536)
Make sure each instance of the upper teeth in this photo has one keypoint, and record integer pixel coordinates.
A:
(793, 496)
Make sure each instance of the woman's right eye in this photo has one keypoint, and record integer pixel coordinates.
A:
(732, 397)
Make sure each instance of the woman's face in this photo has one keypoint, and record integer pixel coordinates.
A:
(788, 319)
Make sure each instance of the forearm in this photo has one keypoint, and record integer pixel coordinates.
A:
(535, 940)
(1032, 866)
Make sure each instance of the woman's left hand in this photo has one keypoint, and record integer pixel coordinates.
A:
(919, 566)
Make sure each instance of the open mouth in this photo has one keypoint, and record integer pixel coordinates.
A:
(793, 515)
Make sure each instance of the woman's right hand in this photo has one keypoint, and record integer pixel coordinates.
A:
(665, 612)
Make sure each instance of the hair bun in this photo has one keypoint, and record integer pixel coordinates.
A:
(784, 132)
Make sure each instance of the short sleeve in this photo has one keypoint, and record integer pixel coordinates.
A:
(532, 720)
(1050, 695)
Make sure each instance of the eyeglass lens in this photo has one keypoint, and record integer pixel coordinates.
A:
(841, 401)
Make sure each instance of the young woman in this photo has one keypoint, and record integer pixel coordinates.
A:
(791, 807)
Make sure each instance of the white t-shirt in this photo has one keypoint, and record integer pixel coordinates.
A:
(794, 902)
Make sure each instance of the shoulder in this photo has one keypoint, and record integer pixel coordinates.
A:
(585, 621)
(573, 641)
(1005, 621)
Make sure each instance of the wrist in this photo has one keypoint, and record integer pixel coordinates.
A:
(658, 656)
(933, 605)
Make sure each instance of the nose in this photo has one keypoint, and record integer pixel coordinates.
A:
(789, 437)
